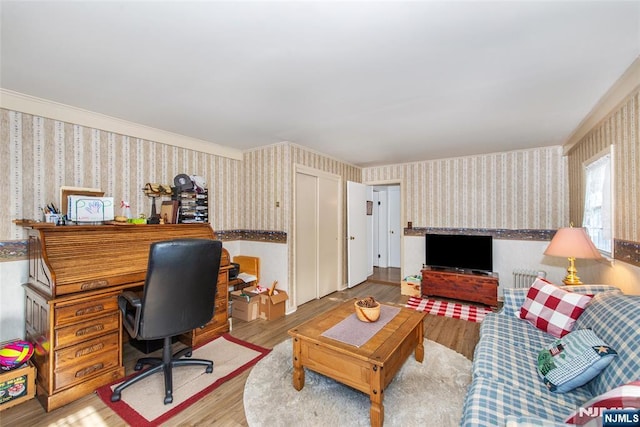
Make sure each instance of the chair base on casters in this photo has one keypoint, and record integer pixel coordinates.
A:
(165, 364)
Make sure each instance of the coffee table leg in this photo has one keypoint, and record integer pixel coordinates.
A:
(419, 353)
(376, 413)
(298, 370)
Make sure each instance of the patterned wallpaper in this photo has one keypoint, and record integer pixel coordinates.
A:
(513, 190)
(523, 189)
(268, 174)
(622, 129)
(38, 155)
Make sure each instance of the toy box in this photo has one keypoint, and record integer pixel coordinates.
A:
(17, 385)
(411, 286)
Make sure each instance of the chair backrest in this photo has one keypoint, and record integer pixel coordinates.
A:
(249, 265)
(180, 287)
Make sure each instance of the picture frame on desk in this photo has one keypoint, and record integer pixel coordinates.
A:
(65, 192)
(169, 211)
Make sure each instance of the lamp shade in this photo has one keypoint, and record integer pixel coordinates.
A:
(572, 242)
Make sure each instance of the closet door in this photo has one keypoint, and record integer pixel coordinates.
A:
(318, 217)
(328, 235)
(306, 238)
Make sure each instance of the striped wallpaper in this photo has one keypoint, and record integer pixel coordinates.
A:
(268, 175)
(523, 189)
(621, 128)
(38, 155)
(519, 189)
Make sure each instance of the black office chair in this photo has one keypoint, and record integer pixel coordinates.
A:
(179, 294)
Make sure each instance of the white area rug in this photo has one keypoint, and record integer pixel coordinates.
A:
(142, 403)
(428, 393)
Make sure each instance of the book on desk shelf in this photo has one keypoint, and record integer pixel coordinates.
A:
(246, 277)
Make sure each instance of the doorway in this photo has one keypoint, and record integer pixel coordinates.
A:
(386, 230)
(391, 194)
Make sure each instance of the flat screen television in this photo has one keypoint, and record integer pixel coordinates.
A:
(459, 252)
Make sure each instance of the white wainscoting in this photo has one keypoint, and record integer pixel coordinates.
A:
(12, 275)
(507, 256)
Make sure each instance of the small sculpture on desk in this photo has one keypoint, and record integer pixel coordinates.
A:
(156, 190)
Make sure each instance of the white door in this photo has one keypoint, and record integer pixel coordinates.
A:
(329, 241)
(383, 229)
(306, 240)
(356, 233)
(375, 230)
(395, 227)
(318, 252)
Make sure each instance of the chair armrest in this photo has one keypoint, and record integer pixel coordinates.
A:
(129, 301)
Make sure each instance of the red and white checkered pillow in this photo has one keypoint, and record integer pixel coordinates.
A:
(590, 413)
(552, 309)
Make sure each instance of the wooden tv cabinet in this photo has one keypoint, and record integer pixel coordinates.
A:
(478, 288)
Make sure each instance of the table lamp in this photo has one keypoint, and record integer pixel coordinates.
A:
(572, 242)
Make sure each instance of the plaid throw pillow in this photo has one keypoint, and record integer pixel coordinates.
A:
(552, 309)
(573, 360)
(590, 413)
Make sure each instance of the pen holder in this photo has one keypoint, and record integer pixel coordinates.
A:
(51, 218)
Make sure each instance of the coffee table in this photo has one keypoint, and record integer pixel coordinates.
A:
(369, 368)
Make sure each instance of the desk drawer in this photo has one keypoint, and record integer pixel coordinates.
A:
(84, 368)
(85, 310)
(220, 305)
(74, 334)
(79, 353)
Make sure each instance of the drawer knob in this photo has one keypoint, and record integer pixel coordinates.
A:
(88, 310)
(96, 284)
(89, 369)
(89, 350)
(89, 330)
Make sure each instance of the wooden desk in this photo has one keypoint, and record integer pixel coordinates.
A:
(75, 276)
(369, 368)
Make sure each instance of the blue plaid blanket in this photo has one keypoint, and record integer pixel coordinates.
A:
(506, 385)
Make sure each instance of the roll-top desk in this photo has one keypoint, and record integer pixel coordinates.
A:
(75, 276)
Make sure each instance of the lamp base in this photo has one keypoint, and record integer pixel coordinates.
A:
(572, 278)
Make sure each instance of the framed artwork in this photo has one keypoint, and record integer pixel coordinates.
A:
(65, 192)
(169, 211)
(369, 207)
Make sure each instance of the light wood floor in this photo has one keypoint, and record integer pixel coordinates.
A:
(224, 406)
(390, 275)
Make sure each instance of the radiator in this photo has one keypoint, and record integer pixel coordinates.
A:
(523, 278)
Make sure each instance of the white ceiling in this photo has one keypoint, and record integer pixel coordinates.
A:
(366, 82)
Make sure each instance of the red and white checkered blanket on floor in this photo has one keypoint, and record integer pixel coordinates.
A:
(449, 309)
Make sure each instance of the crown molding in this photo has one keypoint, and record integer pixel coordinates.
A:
(28, 104)
(621, 89)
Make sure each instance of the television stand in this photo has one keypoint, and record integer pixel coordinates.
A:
(465, 286)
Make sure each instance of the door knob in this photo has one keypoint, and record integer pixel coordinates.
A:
(352, 238)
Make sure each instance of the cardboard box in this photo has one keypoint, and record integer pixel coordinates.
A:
(273, 307)
(410, 287)
(17, 385)
(89, 209)
(245, 305)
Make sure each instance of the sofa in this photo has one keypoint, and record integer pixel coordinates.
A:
(506, 387)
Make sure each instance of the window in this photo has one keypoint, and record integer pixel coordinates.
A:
(597, 202)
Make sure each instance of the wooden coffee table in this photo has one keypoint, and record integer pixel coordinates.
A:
(369, 368)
